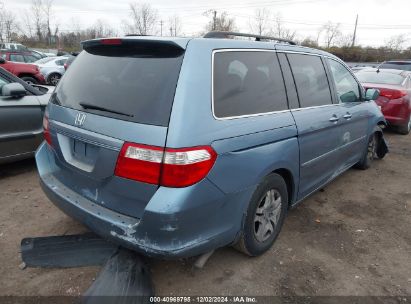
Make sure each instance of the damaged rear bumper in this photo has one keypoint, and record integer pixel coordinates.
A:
(187, 227)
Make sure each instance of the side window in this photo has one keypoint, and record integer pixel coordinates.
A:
(348, 89)
(16, 58)
(247, 83)
(60, 62)
(311, 80)
(29, 58)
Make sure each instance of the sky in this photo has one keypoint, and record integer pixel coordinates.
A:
(378, 19)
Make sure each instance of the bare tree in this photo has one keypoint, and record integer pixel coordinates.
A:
(332, 32)
(175, 25)
(261, 22)
(280, 31)
(344, 40)
(10, 24)
(396, 43)
(37, 15)
(221, 22)
(47, 7)
(143, 19)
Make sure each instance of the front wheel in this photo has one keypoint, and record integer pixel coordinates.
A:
(369, 153)
(265, 216)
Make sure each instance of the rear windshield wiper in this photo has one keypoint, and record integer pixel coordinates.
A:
(99, 108)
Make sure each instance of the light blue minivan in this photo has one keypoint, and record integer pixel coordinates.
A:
(174, 147)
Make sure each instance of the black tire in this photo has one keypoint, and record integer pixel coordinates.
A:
(53, 79)
(252, 242)
(29, 80)
(405, 129)
(369, 153)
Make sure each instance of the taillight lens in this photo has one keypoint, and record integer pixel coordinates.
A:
(166, 167)
(46, 129)
(392, 94)
(140, 162)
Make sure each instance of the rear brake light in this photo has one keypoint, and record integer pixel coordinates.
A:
(166, 167)
(111, 41)
(46, 129)
(392, 94)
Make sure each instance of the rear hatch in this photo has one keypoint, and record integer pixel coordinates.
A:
(116, 91)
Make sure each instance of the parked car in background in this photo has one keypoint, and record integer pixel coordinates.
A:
(396, 64)
(17, 56)
(21, 116)
(30, 73)
(69, 61)
(176, 146)
(13, 46)
(38, 55)
(52, 69)
(395, 95)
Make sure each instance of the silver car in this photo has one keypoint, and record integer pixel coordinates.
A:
(21, 115)
(52, 68)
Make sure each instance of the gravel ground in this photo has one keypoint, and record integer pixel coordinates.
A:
(351, 238)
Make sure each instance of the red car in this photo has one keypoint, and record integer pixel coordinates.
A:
(30, 73)
(27, 57)
(395, 94)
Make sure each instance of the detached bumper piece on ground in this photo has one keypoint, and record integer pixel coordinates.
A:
(124, 277)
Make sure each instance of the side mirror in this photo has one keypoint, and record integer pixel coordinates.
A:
(372, 94)
(13, 90)
(2, 60)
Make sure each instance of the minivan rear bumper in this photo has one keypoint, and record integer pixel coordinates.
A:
(166, 230)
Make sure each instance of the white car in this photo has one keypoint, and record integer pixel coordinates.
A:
(52, 68)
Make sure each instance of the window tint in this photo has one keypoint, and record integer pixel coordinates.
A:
(346, 85)
(142, 87)
(16, 58)
(247, 83)
(311, 80)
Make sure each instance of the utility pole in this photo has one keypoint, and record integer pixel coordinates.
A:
(161, 28)
(355, 32)
(214, 20)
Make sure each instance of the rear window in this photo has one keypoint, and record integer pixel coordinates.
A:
(380, 77)
(247, 83)
(122, 83)
(406, 66)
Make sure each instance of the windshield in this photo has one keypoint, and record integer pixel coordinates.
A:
(380, 77)
(142, 87)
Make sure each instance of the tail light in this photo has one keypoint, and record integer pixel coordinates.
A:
(46, 129)
(392, 94)
(165, 166)
(65, 66)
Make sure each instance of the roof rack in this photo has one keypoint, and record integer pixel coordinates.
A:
(221, 34)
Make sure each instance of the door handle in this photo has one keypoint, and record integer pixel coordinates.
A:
(347, 116)
(334, 118)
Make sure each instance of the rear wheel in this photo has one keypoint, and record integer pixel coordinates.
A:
(265, 216)
(54, 79)
(405, 129)
(29, 80)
